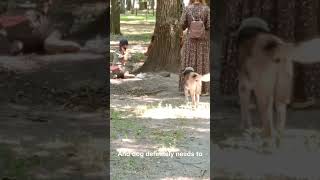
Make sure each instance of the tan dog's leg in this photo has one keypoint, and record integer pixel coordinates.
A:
(281, 111)
(186, 93)
(244, 93)
(193, 98)
(197, 100)
(265, 105)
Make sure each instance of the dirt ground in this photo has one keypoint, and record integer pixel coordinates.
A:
(53, 120)
(149, 115)
(242, 155)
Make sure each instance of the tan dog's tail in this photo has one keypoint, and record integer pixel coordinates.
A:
(306, 52)
(206, 78)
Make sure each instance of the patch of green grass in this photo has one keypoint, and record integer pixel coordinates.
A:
(137, 57)
(15, 167)
(126, 166)
(124, 127)
(167, 138)
(143, 37)
(142, 17)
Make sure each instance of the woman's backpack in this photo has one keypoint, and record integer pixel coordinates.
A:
(197, 29)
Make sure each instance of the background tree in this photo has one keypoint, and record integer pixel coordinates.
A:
(129, 5)
(165, 54)
(122, 6)
(133, 6)
(152, 3)
(115, 17)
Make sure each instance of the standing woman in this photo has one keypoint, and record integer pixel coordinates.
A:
(195, 52)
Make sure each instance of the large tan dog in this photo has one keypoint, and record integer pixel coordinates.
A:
(266, 70)
(193, 85)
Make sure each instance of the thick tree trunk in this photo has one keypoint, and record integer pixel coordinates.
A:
(216, 48)
(115, 17)
(306, 76)
(165, 54)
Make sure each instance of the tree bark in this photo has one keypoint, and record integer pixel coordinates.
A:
(122, 7)
(129, 5)
(216, 48)
(306, 76)
(115, 17)
(152, 6)
(133, 6)
(165, 54)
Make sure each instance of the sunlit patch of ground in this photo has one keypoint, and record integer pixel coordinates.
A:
(146, 135)
(296, 157)
(169, 111)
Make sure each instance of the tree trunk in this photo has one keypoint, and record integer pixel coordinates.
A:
(217, 39)
(122, 6)
(129, 4)
(115, 17)
(165, 54)
(152, 6)
(133, 6)
(306, 76)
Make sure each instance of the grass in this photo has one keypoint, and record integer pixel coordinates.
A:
(142, 38)
(137, 29)
(141, 17)
(125, 128)
(127, 166)
(137, 57)
(167, 138)
(122, 167)
(15, 167)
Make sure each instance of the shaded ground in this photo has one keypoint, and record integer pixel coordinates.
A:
(51, 144)
(53, 124)
(150, 115)
(241, 155)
